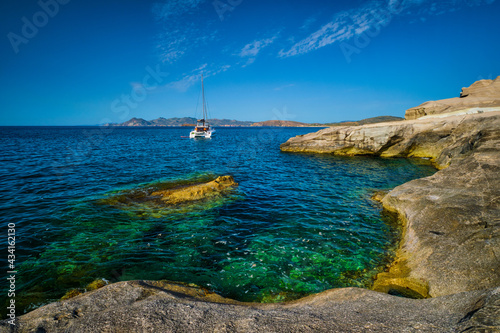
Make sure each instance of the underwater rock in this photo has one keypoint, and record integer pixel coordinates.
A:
(182, 194)
(96, 284)
(163, 198)
(72, 293)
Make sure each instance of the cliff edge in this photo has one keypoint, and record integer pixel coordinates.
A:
(481, 96)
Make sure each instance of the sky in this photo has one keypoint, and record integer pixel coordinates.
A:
(74, 62)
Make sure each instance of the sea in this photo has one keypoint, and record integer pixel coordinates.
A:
(295, 225)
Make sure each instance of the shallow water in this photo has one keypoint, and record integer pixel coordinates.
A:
(296, 224)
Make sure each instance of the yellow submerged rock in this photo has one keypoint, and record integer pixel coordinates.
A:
(212, 189)
(179, 196)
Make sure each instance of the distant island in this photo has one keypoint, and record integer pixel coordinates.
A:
(185, 121)
(190, 121)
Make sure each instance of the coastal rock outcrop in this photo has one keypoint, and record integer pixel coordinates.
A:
(159, 306)
(451, 220)
(481, 96)
(439, 139)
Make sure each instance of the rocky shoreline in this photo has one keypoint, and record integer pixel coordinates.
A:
(449, 252)
(157, 306)
(451, 220)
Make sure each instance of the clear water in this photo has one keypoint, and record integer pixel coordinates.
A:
(297, 224)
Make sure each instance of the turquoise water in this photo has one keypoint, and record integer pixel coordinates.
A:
(297, 224)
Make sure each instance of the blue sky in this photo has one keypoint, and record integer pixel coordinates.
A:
(73, 62)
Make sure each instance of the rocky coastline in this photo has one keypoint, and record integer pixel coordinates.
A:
(451, 220)
(449, 253)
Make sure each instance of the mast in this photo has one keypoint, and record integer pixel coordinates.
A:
(203, 93)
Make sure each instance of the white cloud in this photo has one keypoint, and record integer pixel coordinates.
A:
(169, 8)
(307, 23)
(183, 84)
(372, 15)
(249, 62)
(423, 8)
(253, 48)
(343, 26)
(194, 76)
(179, 29)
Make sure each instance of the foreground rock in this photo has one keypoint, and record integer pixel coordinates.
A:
(156, 306)
(452, 222)
(481, 96)
(451, 241)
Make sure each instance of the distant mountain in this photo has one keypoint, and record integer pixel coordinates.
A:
(190, 121)
(135, 122)
(229, 122)
(281, 123)
(173, 121)
(185, 121)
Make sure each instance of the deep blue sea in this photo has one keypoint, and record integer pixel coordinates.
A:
(297, 223)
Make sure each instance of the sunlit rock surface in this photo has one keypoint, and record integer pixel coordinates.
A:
(158, 306)
(481, 96)
(438, 139)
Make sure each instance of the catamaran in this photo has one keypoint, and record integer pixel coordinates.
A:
(202, 128)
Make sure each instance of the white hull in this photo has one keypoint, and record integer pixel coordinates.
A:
(202, 128)
(202, 134)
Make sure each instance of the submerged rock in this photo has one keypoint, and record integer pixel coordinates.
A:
(158, 199)
(212, 189)
(96, 284)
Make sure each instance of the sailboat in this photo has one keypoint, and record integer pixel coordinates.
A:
(202, 128)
